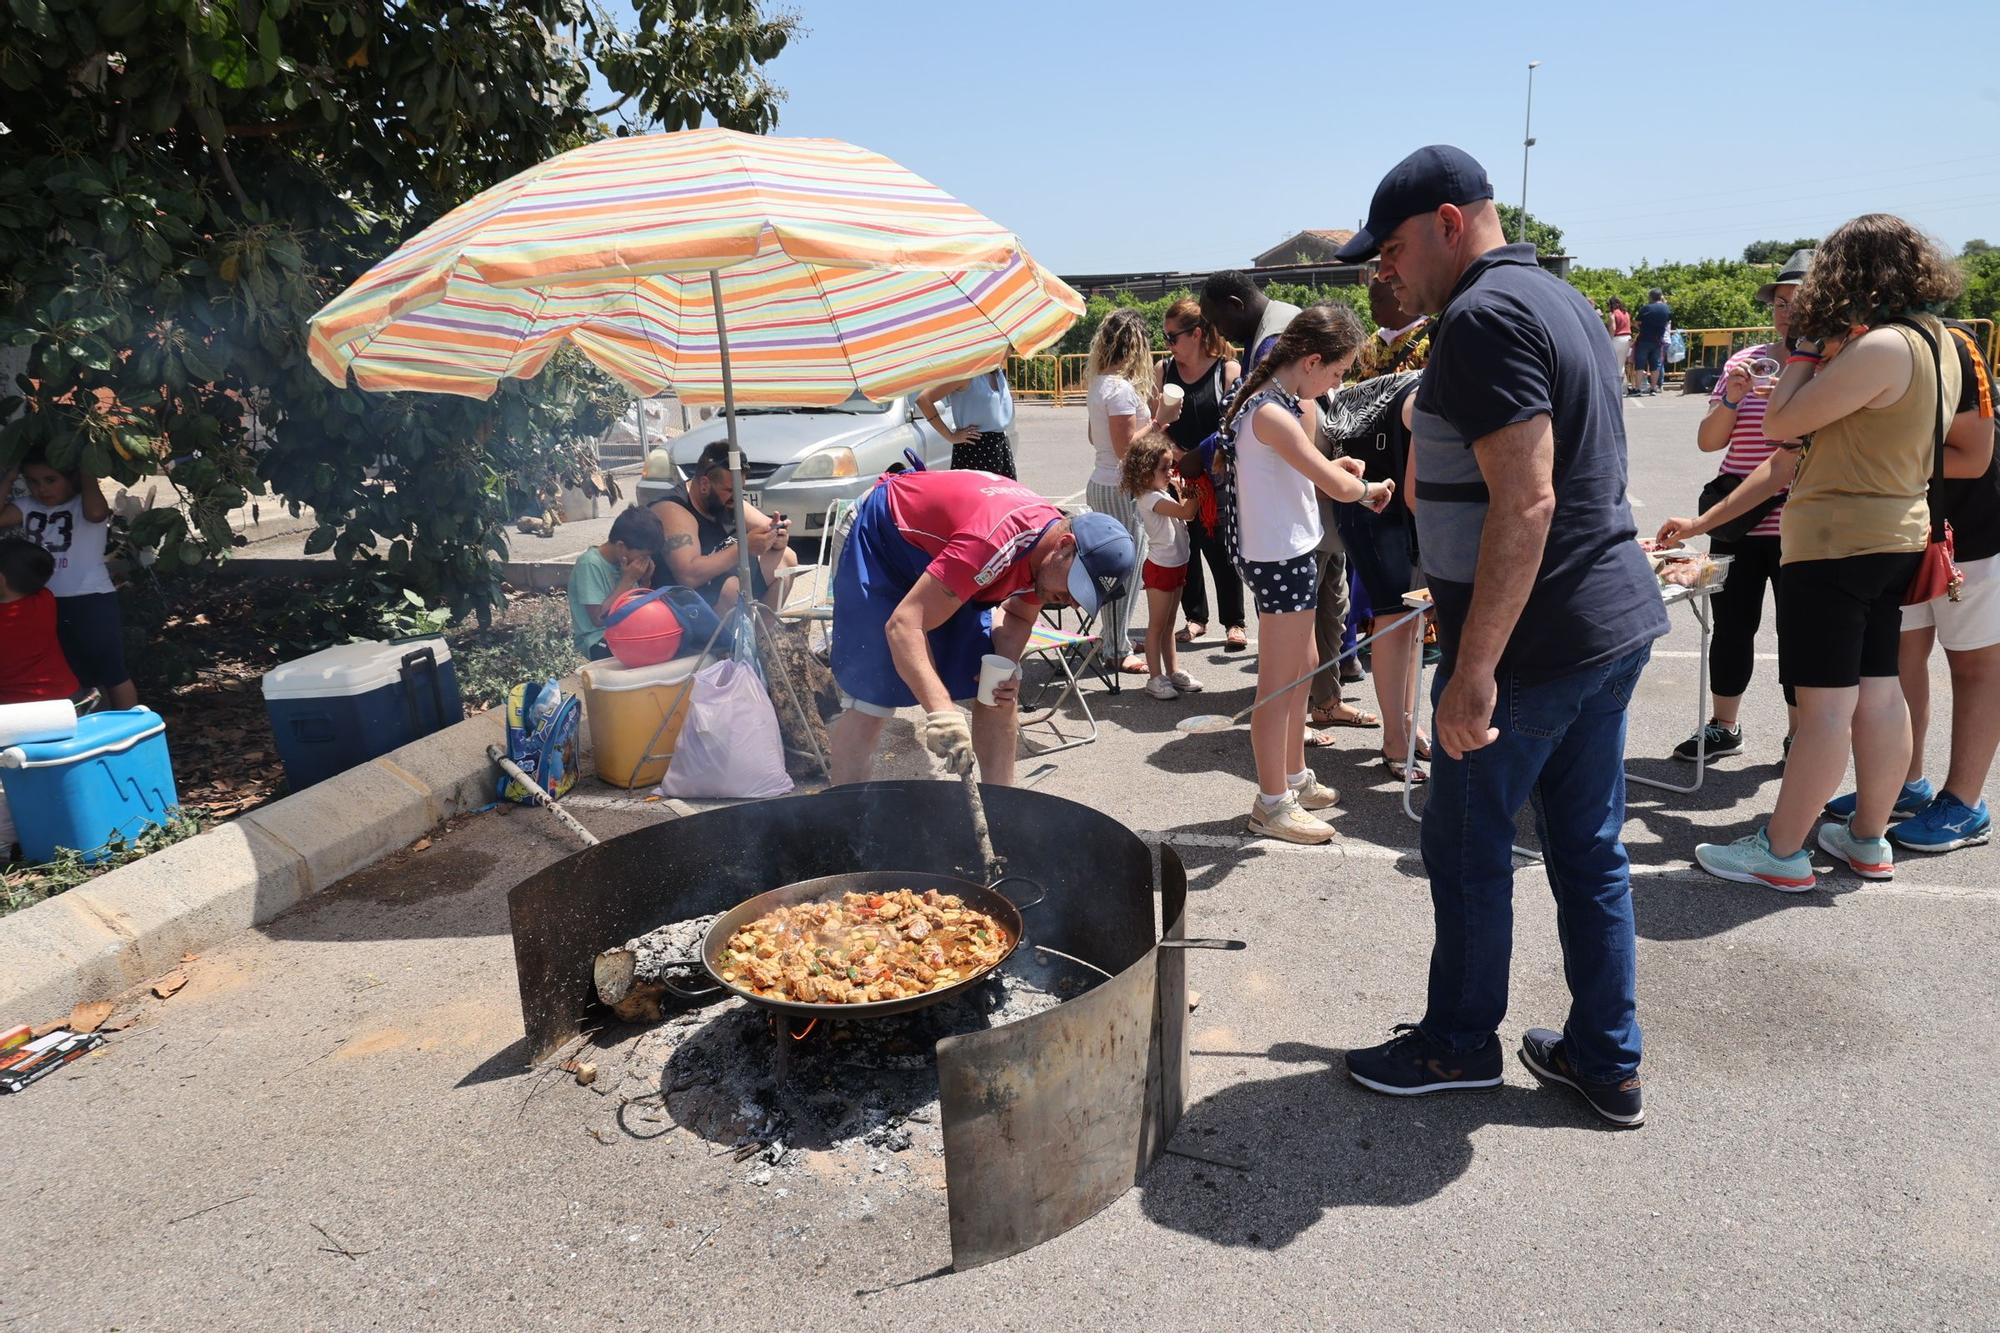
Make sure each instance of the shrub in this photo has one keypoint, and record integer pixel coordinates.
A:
(530, 642)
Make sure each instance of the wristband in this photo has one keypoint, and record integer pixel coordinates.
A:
(1808, 358)
(1724, 400)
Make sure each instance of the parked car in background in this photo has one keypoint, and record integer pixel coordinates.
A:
(801, 461)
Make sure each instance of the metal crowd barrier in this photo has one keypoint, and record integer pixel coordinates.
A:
(1049, 378)
(1710, 348)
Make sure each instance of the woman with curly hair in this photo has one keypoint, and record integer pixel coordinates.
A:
(1869, 387)
(1121, 382)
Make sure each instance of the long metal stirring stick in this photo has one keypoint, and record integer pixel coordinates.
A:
(1201, 724)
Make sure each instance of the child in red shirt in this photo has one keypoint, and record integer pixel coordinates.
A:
(31, 661)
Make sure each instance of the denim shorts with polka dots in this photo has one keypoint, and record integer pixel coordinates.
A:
(1283, 585)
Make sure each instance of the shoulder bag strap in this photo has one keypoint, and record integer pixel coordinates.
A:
(1937, 418)
(622, 612)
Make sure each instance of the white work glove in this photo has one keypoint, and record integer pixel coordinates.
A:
(948, 736)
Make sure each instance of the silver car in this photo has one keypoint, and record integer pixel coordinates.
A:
(801, 461)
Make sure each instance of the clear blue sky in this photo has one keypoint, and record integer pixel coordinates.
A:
(1091, 130)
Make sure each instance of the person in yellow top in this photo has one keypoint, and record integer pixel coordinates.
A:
(1871, 385)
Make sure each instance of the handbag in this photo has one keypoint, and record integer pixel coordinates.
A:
(1720, 487)
(1938, 574)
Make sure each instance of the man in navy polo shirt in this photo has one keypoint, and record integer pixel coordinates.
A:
(1547, 611)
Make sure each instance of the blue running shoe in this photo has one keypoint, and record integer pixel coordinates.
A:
(1751, 861)
(1914, 797)
(1945, 825)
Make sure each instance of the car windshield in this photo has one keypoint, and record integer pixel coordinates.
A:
(854, 406)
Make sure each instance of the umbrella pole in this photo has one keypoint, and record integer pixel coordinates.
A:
(744, 584)
(744, 587)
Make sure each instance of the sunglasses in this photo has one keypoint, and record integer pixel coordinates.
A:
(1175, 335)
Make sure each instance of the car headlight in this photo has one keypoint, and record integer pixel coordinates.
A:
(828, 463)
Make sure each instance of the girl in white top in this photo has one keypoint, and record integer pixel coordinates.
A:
(1148, 478)
(1121, 382)
(66, 514)
(1277, 531)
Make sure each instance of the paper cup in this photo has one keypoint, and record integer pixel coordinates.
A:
(1171, 395)
(993, 669)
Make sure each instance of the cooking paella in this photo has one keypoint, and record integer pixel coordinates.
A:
(863, 948)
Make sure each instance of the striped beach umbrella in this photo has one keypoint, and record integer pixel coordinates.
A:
(834, 269)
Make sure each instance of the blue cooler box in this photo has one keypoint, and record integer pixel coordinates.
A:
(346, 705)
(110, 780)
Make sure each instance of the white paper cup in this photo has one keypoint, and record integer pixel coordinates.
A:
(1171, 395)
(993, 669)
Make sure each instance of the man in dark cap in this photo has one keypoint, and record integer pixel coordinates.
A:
(1547, 611)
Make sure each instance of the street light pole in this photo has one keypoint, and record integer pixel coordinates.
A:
(1527, 142)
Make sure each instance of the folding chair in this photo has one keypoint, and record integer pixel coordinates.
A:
(1060, 647)
(816, 606)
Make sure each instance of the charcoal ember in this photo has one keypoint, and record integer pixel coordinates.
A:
(893, 1137)
(671, 948)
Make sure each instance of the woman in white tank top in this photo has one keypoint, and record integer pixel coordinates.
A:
(1277, 529)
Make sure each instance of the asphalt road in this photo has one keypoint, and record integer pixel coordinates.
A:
(329, 1127)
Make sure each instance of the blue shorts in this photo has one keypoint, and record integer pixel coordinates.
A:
(1378, 551)
(1648, 358)
(92, 638)
(877, 570)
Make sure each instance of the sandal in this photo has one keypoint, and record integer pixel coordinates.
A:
(1135, 665)
(1423, 748)
(1189, 632)
(1343, 714)
(1319, 740)
(1236, 640)
(1402, 772)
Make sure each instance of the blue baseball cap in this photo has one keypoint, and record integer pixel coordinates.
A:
(1423, 182)
(1105, 556)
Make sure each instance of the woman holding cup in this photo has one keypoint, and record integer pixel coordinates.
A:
(1193, 376)
(1734, 427)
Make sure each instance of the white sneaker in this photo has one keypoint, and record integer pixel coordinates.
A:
(1162, 688)
(1185, 683)
(1288, 821)
(1316, 795)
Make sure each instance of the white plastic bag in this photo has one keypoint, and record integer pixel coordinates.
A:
(729, 745)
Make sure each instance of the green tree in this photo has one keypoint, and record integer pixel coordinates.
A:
(186, 181)
(1981, 297)
(1976, 246)
(1546, 237)
(1776, 252)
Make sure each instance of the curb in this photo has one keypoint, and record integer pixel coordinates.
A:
(136, 922)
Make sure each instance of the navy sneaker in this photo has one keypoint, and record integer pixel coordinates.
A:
(1619, 1103)
(1945, 825)
(1411, 1064)
(1913, 798)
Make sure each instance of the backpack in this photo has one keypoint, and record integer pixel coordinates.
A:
(541, 739)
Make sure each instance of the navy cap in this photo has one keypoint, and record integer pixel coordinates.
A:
(1423, 182)
(1105, 555)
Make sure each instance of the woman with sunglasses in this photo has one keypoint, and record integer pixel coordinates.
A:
(1199, 364)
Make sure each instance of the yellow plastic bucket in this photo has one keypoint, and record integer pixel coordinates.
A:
(626, 706)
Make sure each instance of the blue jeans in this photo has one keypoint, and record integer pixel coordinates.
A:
(1561, 746)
